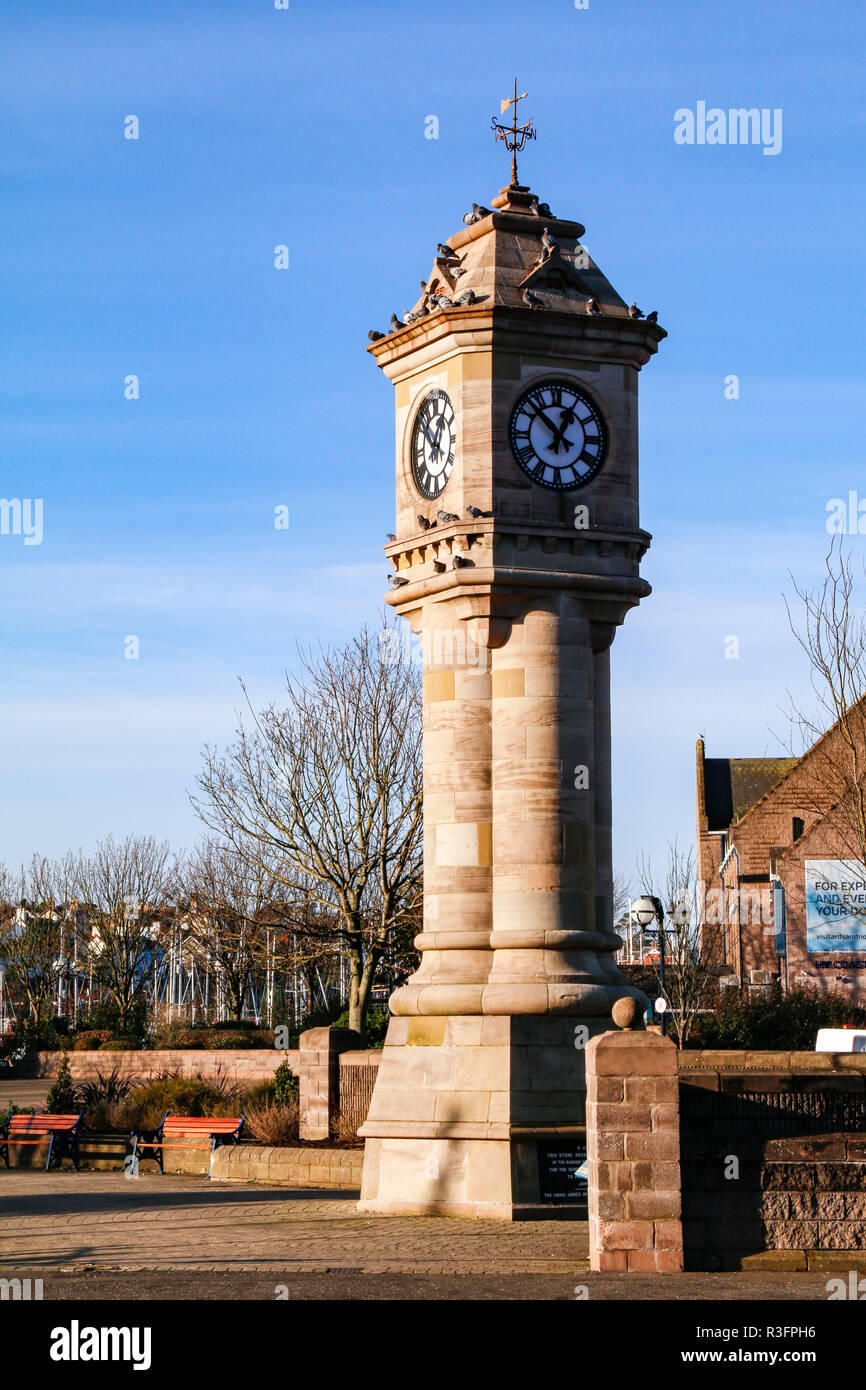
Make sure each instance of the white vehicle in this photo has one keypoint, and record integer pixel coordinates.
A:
(841, 1040)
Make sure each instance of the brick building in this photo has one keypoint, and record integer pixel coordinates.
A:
(785, 892)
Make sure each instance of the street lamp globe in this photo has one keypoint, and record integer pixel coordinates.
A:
(645, 910)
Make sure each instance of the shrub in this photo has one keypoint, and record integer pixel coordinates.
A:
(285, 1084)
(231, 1041)
(102, 1100)
(180, 1095)
(91, 1039)
(274, 1123)
(787, 1022)
(62, 1098)
(376, 1024)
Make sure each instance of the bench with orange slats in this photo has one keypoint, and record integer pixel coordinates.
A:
(206, 1132)
(59, 1132)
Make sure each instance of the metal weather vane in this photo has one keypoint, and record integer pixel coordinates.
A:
(513, 136)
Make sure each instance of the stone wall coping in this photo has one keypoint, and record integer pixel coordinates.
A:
(718, 1059)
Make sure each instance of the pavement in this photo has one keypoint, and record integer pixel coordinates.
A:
(102, 1235)
(23, 1092)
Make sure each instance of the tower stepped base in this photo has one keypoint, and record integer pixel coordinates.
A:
(479, 1116)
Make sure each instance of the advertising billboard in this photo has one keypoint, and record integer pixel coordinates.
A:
(835, 906)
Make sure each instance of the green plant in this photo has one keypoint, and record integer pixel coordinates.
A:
(376, 1024)
(180, 1095)
(787, 1022)
(62, 1098)
(285, 1083)
(101, 1099)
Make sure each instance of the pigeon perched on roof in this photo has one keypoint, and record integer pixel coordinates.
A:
(446, 252)
(442, 301)
(532, 301)
(467, 297)
(438, 566)
(653, 317)
(447, 516)
(398, 580)
(460, 562)
(374, 335)
(540, 209)
(396, 324)
(634, 312)
(476, 214)
(424, 523)
(592, 306)
(476, 512)
(389, 536)
(548, 241)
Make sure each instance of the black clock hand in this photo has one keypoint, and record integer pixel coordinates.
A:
(566, 418)
(557, 431)
(433, 442)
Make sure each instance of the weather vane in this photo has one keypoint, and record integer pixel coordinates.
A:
(513, 136)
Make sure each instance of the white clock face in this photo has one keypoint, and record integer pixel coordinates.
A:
(433, 439)
(557, 435)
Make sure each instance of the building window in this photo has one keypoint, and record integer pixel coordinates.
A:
(798, 827)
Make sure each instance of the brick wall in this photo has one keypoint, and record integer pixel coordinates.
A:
(246, 1066)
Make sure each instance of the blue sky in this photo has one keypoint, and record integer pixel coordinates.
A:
(306, 127)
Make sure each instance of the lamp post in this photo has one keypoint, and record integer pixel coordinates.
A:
(645, 909)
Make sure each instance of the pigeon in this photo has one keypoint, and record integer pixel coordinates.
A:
(389, 536)
(424, 523)
(374, 335)
(460, 562)
(634, 312)
(423, 286)
(442, 301)
(447, 516)
(476, 512)
(455, 271)
(398, 580)
(548, 241)
(592, 306)
(396, 324)
(446, 252)
(653, 317)
(467, 297)
(476, 214)
(540, 209)
(438, 567)
(532, 301)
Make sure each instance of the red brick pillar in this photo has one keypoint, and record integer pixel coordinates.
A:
(633, 1148)
(319, 1077)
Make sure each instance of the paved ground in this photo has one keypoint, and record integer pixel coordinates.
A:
(23, 1092)
(101, 1235)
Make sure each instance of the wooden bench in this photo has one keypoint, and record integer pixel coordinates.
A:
(60, 1132)
(205, 1132)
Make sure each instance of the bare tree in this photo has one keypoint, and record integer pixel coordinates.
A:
(831, 631)
(329, 786)
(32, 912)
(231, 919)
(692, 952)
(122, 890)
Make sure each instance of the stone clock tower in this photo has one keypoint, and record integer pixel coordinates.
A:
(516, 557)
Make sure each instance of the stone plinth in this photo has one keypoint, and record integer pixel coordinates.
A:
(633, 1147)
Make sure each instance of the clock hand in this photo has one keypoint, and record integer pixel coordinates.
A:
(566, 419)
(431, 440)
(558, 431)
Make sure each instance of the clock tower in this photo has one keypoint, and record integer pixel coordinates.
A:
(516, 557)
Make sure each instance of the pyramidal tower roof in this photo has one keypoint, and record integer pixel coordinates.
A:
(516, 254)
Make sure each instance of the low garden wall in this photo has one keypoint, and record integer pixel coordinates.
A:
(246, 1066)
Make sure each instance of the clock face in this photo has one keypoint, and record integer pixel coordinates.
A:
(558, 435)
(433, 438)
